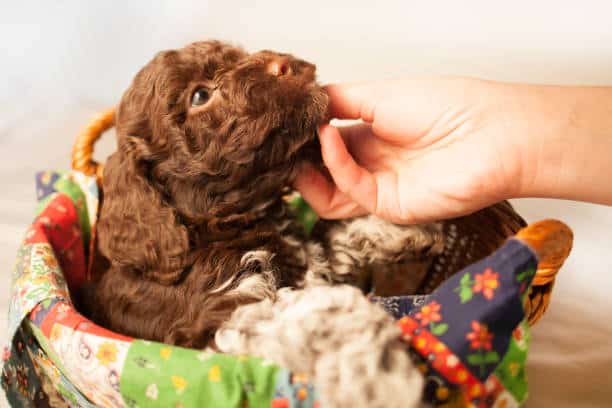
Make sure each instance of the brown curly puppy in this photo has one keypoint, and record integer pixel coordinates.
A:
(193, 222)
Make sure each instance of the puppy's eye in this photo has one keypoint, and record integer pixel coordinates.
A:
(200, 97)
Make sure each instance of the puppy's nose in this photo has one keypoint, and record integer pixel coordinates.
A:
(279, 66)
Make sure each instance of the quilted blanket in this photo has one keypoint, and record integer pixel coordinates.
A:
(469, 337)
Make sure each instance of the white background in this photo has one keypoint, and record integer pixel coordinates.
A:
(61, 62)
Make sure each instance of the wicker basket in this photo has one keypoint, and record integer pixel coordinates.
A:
(469, 238)
(59, 358)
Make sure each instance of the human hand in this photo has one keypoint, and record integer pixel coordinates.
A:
(429, 149)
(432, 149)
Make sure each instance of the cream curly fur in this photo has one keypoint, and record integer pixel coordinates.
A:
(349, 347)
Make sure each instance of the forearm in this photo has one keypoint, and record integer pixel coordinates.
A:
(567, 135)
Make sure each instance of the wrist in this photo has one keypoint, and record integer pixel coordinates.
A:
(564, 136)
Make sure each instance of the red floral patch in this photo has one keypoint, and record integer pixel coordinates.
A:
(486, 283)
(429, 313)
(479, 337)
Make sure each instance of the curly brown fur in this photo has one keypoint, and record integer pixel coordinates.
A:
(192, 221)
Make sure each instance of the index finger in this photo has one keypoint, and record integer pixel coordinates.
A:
(352, 101)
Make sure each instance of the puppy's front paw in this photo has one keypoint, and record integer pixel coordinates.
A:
(371, 240)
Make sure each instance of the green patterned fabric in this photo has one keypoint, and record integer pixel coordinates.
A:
(511, 371)
(304, 214)
(163, 376)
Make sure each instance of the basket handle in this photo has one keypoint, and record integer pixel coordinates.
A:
(82, 150)
(552, 242)
(550, 239)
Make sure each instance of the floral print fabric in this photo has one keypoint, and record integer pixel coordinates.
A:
(471, 333)
(469, 337)
(91, 357)
(164, 376)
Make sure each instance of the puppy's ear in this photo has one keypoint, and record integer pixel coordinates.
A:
(138, 231)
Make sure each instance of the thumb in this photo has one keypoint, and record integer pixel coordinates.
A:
(353, 100)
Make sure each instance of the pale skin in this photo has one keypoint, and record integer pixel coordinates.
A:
(436, 148)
